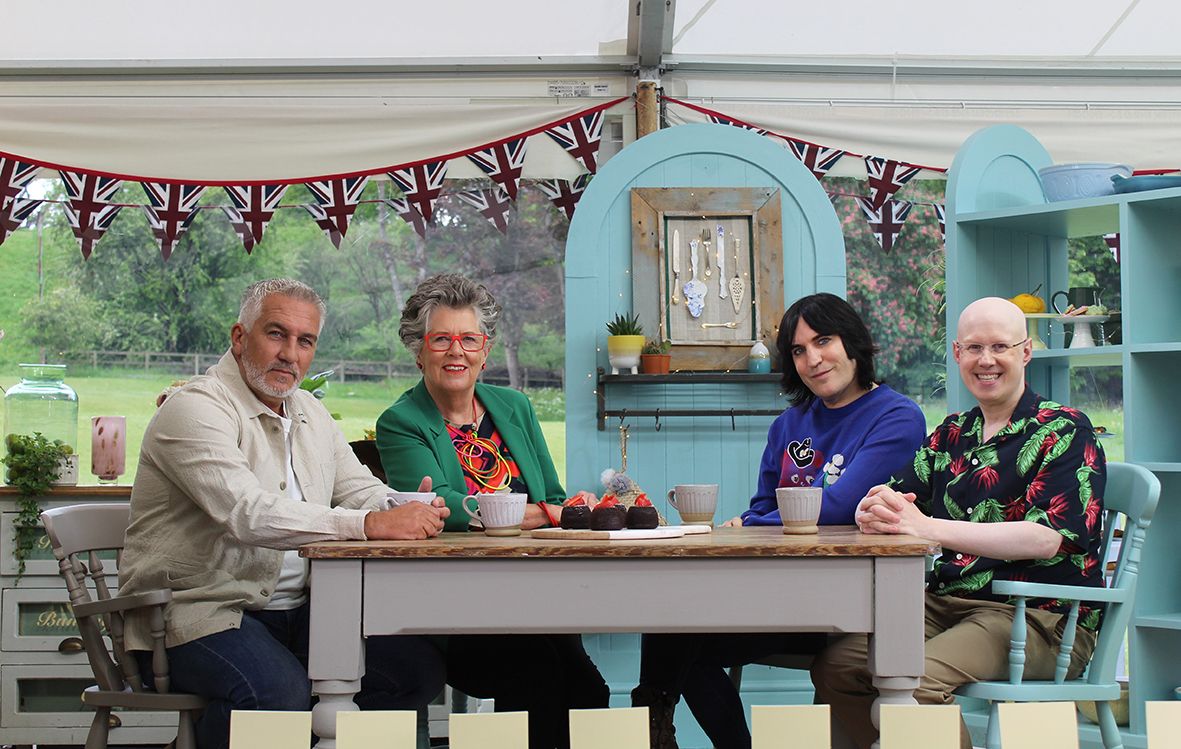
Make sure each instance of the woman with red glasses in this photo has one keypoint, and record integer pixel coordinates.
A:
(472, 438)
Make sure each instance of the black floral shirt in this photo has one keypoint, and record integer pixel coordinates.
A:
(1045, 466)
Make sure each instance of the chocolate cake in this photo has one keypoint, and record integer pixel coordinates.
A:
(609, 518)
(641, 517)
(575, 517)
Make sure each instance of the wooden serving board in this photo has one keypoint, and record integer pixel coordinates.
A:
(627, 534)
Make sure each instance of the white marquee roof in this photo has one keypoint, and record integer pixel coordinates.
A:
(141, 87)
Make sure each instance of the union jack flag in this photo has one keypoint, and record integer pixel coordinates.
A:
(886, 177)
(1112, 241)
(336, 201)
(564, 194)
(408, 213)
(14, 214)
(818, 159)
(885, 221)
(581, 137)
(503, 164)
(718, 119)
(941, 215)
(88, 207)
(254, 206)
(14, 175)
(171, 208)
(421, 185)
(493, 205)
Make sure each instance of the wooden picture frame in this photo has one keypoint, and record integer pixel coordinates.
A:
(754, 216)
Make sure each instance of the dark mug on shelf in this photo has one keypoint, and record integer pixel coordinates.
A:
(1078, 296)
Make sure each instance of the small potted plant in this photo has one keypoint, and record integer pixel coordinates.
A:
(625, 340)
(654, 359)
(34, 465)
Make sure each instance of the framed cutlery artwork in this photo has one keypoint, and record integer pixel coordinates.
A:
(707, 271)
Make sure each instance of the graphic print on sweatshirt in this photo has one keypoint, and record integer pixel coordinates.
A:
(801, 464)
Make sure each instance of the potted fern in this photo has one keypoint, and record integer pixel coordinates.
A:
(625, 340)
(655, 357)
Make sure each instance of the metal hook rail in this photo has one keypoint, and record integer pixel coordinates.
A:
(680, 378)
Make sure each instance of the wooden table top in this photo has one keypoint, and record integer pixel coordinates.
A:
(755, 541)
(92, 490)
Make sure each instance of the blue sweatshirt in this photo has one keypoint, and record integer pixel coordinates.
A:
(845, 450)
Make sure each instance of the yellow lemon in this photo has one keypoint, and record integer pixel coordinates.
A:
(1029, 303)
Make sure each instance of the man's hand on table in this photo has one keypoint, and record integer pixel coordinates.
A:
(734, 522)
(884, 510)
(409, 522)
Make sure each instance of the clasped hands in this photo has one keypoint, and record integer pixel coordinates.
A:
(886, 511)
(410, 521)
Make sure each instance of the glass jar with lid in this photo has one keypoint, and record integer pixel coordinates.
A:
(42, 402)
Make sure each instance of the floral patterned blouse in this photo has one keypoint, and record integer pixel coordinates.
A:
(1045, 466)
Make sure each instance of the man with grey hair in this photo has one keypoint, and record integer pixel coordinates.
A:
(237, 469)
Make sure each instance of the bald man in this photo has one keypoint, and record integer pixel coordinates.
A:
(1011, 490)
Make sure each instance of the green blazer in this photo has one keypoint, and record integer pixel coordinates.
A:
(413, 442)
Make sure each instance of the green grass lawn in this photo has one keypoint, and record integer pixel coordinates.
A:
(133, 394)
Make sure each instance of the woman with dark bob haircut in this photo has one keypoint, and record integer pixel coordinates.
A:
(845, 433)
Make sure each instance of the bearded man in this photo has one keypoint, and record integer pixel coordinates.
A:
(238, 468)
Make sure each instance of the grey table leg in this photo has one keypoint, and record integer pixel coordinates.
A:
(897, 642)
(336, 652)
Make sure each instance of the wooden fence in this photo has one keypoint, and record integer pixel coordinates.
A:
(345, 370)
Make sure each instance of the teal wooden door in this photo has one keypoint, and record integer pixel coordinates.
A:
(699, 449)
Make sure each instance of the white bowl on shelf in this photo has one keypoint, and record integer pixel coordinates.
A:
(1087, 180)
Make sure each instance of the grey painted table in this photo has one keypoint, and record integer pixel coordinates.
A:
(733, 580)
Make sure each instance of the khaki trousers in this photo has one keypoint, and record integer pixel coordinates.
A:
(967, 641)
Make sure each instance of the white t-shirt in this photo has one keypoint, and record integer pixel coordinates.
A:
(291, 591)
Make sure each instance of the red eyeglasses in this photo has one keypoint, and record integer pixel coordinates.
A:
(467, 341)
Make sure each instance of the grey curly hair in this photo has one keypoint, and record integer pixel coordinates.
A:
(445, 290)
(256, 292)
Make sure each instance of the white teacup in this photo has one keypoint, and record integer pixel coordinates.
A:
(500, 514)
(395, 499)
(696, 503)
(799, 508)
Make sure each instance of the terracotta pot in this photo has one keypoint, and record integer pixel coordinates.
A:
(655, 363)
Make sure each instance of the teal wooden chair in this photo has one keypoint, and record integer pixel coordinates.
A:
(1132, 491)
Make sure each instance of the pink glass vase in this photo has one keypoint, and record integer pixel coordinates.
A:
(108, 447)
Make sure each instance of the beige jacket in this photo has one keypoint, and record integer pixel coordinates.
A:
(210, 514)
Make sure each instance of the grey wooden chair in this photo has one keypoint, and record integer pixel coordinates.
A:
(78, 534)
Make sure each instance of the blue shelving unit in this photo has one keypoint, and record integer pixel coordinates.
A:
(1004, 238)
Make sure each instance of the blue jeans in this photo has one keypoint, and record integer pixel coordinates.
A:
(263, 666)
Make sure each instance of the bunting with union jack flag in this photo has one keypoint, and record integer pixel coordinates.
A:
(886, 177)
(88, 207)
(493, 204)
(336, 201)
(408, 213)
(885, 221)
(565, 194)
(14, 213)
(818, 159)
(1112, 242)
(718, 119)
(503, 164)
(422, 185)
(941, 217)
(14, 175)
(254, 206)
(581, 138)
(171, 208)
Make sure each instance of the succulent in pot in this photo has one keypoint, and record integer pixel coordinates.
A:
(655, 357)
(625, 340)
